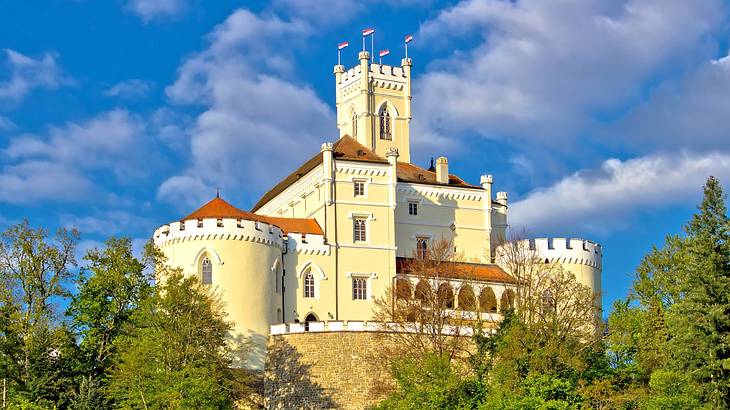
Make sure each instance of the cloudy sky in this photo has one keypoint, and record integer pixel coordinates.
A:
(601, 118)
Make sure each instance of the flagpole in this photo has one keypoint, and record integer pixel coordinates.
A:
(338, 55)
(406, 51)
(363, 43)
(372, 47)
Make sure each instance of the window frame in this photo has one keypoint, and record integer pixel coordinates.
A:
(360, 288)
(363, 185)
(385, 130)
(359, 235)
(413, 205)
(206, 263)
(309, 286)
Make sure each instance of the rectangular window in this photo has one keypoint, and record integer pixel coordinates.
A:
(359, 288)
(422, 247)
(359, 188)
(412, 208)
(360, 234)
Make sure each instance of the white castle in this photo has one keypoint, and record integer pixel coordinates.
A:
(332, 236)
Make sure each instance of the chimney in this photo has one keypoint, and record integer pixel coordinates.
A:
(442, 170)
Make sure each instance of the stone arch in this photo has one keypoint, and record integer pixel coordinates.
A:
(487, 300)
(466, 299)
(445, 296)
(507, 301)
(212, 254)
(423, 291)
(309, 265)
(403, 289)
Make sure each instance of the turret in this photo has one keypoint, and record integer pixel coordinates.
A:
(374, 104)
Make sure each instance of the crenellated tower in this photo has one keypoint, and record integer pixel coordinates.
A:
(374, 105)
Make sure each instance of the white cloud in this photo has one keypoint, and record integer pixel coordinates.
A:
(150, 10)
(608, 198)
(257, 115)
(26, 73)
(693, 110)
(111, 222)
(55, 166)
(129, 89)
(546, 69)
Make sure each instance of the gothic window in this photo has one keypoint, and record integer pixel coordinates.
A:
(359, 230)
(422, 247)
(359, 288)
(358, 187)
(385, 133)
(206, 271)
(354, 124)
(309, 285)
(413, 208)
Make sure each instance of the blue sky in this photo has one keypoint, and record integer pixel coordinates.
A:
(600, 118)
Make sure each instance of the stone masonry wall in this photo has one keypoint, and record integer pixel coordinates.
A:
(315, 370)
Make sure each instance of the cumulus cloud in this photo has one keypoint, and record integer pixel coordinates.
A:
(26, 73)
(605, 199)
(54, 166)
(129, 89)
(150, 10)
(693, 110)
(256, 114)
(544, 69)
(111, 222)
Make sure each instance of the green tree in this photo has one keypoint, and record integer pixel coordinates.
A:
(176, 355)
(111, 287)
(700, 320)
(34, 274)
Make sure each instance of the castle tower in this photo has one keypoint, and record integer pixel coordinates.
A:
(374, 105)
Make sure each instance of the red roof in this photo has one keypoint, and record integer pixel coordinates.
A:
(461, 270)
(219, 209)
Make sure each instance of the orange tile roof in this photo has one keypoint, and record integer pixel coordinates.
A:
(218, 208)
(346, 148)
(463, 270)
(408, 172)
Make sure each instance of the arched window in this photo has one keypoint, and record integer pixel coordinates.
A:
(354, 124)
(402, 289)
(487, 301)
(507, 301)
(385, 133)
(445, 296)
(467, 300)
(309, 285)
(206, 271)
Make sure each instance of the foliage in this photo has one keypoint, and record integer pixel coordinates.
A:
(176, 354)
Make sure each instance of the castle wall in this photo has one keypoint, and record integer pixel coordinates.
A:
(440, 209)
(244, 258)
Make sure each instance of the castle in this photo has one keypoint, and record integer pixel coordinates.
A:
(332, 236)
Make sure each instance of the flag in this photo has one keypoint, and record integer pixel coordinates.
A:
(384, 53)
(342, 45)
(409, 38)
(368, 31)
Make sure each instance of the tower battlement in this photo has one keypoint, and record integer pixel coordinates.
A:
(220, 228)
(568, 250)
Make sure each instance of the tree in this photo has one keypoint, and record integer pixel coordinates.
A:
(176, 355)
(34, 271)
(700, 320)
(427, 310)
(111, 287)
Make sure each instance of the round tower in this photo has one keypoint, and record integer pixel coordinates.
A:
(240, 257)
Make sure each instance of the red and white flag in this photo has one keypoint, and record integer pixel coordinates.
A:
(409, 38)
(342, 45)
(384, 53)
(368, 31)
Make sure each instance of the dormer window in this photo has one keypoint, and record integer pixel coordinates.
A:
(200, 223)
(385, 132)
(219, 222)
